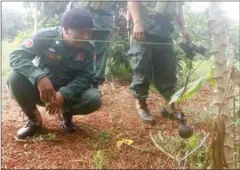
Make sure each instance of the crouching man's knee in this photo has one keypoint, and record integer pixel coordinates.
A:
(90, 101)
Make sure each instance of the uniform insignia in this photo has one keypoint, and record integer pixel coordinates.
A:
(54, 56)
(80, 57)
(28, 43)
(51, 49)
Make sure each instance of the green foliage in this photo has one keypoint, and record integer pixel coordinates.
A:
(49, 14)
(8, 47)
(39, 137)
(233, 31)
(194, 87)
(99, 160)
(120, 20)
(237, 110)
(238, 122)
(45, 137)
(12, 22)
(198, 27)
(152, 88)
(105, 136)
(118, 63)
(175, 145)
(101, 140)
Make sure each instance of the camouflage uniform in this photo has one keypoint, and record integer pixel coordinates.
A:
(154, 61)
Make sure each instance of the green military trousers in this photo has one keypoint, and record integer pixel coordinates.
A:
(155, 62)
(101, 48)
(27, 96)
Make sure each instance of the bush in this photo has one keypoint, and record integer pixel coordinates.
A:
(118, 64)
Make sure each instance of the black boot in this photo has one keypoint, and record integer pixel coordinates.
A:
(33, 125)
(170, 112)
(143, 111)
(95, 84)
(67, 123)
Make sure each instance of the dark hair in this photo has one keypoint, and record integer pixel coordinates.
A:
(77, 18)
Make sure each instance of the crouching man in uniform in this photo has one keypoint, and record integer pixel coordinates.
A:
(62, 77)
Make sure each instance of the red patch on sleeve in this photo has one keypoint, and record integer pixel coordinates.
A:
(28, 43)
(80, 57)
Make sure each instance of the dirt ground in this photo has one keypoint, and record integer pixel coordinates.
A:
(97, 133)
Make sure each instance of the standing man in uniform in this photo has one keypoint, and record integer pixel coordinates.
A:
(62, 78)
(153, 23)
(102, 12)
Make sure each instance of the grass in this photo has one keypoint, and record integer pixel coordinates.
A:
(100, 159)
(45, 137)
(99, 156)
(39, 138)
(175, 145)
(101, 140)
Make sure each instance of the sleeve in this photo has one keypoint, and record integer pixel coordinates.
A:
(83, 81)
(21, 59)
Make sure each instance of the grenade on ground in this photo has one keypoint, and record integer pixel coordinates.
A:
(185, 131)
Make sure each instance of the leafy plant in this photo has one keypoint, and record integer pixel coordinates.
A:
(176, 145)
(118, 63)
(100, 159)
(192, 88)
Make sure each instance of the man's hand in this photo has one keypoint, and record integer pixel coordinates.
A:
(138, 31)
(46, 89)
(55, 107)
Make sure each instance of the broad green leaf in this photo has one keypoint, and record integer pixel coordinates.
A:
(191, 90)
(124, 141)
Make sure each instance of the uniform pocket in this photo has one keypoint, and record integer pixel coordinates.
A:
(52, 59)
(136, 48)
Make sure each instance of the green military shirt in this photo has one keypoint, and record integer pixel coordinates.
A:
(102, 12)
(69, 69)
(158, 17)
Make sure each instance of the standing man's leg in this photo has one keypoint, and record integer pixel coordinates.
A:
(140, 60)
(101, 55)
(27, 96)
(164, 71)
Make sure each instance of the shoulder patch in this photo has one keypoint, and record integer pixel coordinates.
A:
(28, 43)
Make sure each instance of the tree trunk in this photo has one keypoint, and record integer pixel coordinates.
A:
(223, 132)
